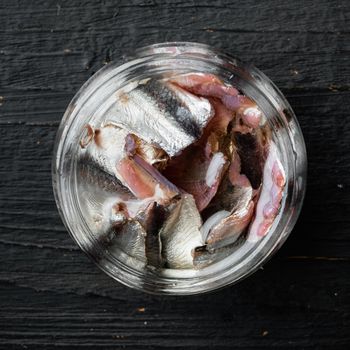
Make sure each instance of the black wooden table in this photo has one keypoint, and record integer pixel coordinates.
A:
(52, 296)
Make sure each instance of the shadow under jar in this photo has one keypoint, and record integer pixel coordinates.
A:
(180, 171)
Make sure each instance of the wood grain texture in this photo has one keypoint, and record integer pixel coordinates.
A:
(52, 296)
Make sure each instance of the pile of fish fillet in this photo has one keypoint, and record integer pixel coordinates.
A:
(181, 172)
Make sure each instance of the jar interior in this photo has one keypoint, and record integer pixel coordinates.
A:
(82, 204)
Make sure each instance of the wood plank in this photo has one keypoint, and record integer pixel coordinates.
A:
(276, 308)
(290, 60)
(48, 55)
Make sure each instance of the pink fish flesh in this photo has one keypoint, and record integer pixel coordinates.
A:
(210, 86)
(239, 194)
(197, 173)
(269, 202)
(145, 181)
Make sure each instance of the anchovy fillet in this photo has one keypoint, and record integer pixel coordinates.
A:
(181, 234)
(162, 114)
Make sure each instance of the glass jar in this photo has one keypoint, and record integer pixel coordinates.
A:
(95, 98)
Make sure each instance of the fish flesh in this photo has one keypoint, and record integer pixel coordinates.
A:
(205, 84)
(236, 198)
(252, 149)
(274, 180)
(251, 115)
(145, 181)
(181, 234)
(232, 186)
(152, 220)
(197, 173)
(222, 118)
(212, 221)
(153, 155)
(238, 194)
(248, 113)
(199, 168)
(120, 213)
(215, 167)
(98, 208)
(229, 229)
(161, 114)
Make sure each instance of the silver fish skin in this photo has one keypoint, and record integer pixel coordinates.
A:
(181, 234)
(92, 173)
(205, 256)
(137, 240)
(162, 114)
(129, 238)
(230, 229)
(98, 208)
(236, 196)
(105, 147)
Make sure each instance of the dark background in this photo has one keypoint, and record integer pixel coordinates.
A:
(52, 296)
